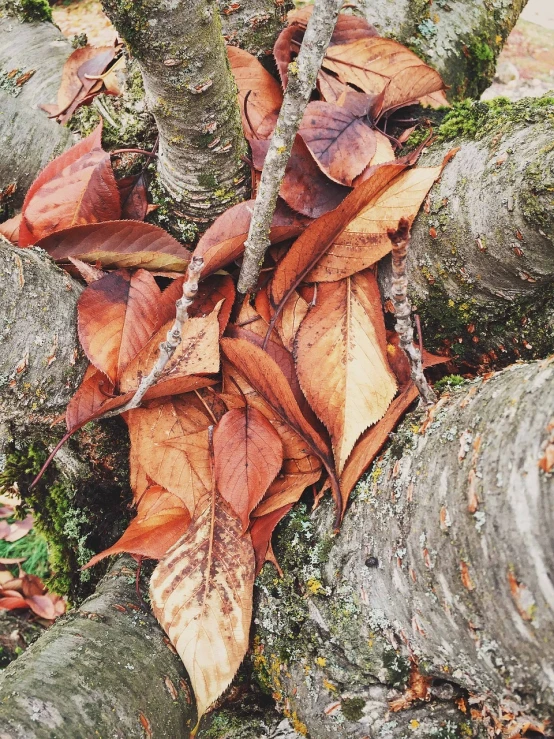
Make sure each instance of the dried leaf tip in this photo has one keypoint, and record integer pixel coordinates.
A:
(400, 240)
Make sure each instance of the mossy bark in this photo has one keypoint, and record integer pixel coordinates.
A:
(191, 93)
(461, 39)
(422, 572)
(253, 24)
(482, 253)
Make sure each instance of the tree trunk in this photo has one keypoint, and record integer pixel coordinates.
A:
(191, 93)
(461, 39)
(253, 24)
(482, 254)
(29, 138)
(444, 560)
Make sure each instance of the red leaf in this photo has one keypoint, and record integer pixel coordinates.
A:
(84, 191)
(210, 292)
(11, 602)
(10, 229)
(117, 315)
(224, 241)
(134, 203)
(118, 244)
(248, 455)
(283, 52)
(91, 143)
(43, 606)
(261, 532)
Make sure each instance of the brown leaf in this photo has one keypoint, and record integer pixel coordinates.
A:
(283, 51)
(268, 380)
(119, 244)
(197, 353)
(263, 90)
(347, 28)
(248, 455)
(162, 519)
(134, 203)
(371, 443)
(117, 315)
(10, 229)
(202, 596)
(214, 289)
(87, 271)
(169, 443)
(305, 188)
(375, 64)
(224, 241)
(341, 143)
(308, 249)
(399, 361)
(334, 91)
(344, 337)
(287, 488)
(52, 170)
(364, 240)
(261, 531)
(85, 191)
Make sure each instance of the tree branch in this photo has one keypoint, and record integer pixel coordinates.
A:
(302, 76)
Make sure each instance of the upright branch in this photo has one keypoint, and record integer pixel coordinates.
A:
(302, 74)
(173, 337)
(400, 240)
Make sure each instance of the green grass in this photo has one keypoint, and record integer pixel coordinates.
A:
(33, 546)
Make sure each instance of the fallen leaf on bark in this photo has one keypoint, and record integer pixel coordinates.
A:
(224, 241)
(263, 90)
(117, 315)
(344, 337)
(118, 244)
(248, 455)
(364, 240)
(341, 143)
(202, 596)
(162, 519)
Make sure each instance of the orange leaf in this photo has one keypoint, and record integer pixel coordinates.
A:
(248, 455)
(52, 170)
(162, 519)
(261, 532)
(10, 229)
(117, 315)
(85, 191)
(344, 337)
(224, 241)
(341, 143)
(118, 244)
(285, 489)
(211, 291)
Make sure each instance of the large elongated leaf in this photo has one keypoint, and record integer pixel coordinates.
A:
(83, 192)
(53, 169)
(248, 455)
(116, 317)
(308, 249)
(343, 336)
(364, 240)
(341, 143)
(261, 532)
(119, 244)
(162, 519)
(263, 90)
(202, 596)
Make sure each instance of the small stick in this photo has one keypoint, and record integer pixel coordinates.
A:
(400, 240)
(173, 337)
(302, 75)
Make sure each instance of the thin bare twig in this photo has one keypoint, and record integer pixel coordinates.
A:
(400, 239)
(302, 75)
(173, 337)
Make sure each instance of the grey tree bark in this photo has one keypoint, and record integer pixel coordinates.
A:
(29, 138)
(461, 39)
(253, 24)
(191, 93)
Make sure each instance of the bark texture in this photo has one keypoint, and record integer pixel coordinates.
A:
(110, 673)
(29, 138)
(445, 557)
(253, 24)
(191, 93)
(482, 254)
(461, 39)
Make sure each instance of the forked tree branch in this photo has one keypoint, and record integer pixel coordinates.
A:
(302, 76)
(400, 240)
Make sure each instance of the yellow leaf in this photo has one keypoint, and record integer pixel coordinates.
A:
(343, 336)
(202, 596)
(364, 241)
